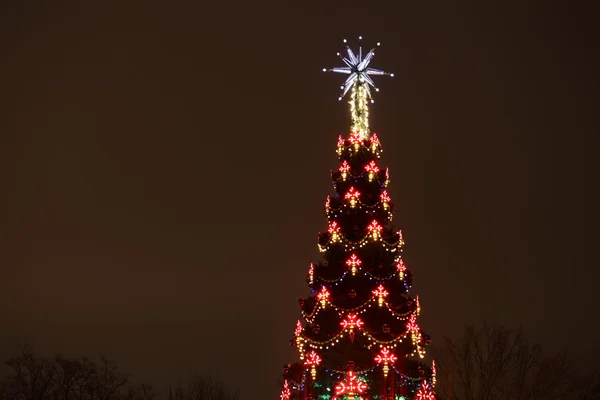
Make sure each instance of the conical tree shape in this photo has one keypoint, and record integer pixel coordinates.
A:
(358, 335)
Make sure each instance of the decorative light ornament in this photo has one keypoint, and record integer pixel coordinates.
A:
(385, 357)
(353, 196)
(372, 169)
(344, 169)
(418, 304)
(353, 262)
(311, 274)
(298, 329)
(425, 392)
(286, 393)
(433, 373)
(350, 323)
(334, 231)
(415, 333)
(323, 296)
(312, 360)
(374, 142)
(385, 199)
(350, 386)
(375, 229)
(381, 293)
(401, 269)
(327, 204)
(359, 81)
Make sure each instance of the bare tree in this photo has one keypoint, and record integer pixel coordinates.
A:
(60, 378)
(492, 363)
(200, 388)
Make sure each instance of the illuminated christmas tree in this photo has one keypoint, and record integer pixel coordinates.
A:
(358, 336)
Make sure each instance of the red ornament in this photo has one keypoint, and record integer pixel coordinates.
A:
(425, 392)
(412, 324)
(316, 329)
(352, 321)
(372, 167)
(333, 228)
(385, 356)
(385, 197)
(350, 386)
(381, 293)
(285, 393)
(353, 196)
(344, 168)
(374, 140)
(312, 359)
(298, 328)
(355, 138)
(375, 229)
(385, 328)
(352, 294)
(353, 262)
(323, 296)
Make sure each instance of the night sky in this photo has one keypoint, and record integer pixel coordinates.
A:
(165, 167)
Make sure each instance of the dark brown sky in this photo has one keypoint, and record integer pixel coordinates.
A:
(165, 166)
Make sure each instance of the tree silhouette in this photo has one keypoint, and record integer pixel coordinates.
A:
(60, 378)
(491, 363)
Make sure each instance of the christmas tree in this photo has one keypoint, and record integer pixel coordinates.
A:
(358, 336)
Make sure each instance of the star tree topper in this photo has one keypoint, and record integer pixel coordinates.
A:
(358, 83)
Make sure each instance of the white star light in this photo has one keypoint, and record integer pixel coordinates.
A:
(357, 69)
